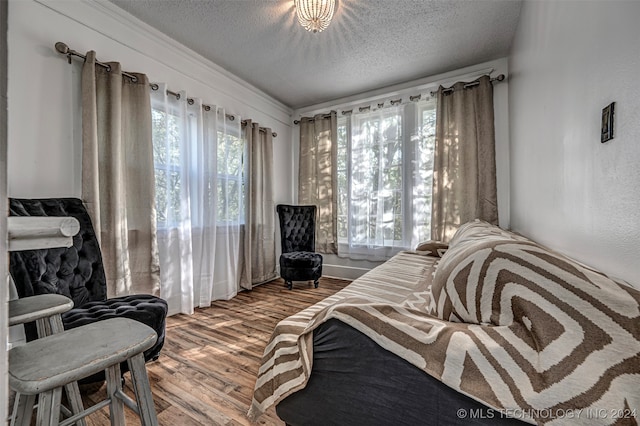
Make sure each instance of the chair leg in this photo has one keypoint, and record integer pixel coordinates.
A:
(316, 283)
(49, 408)
(142, 388)
(289, 285)
(23, 410)
(116, 406)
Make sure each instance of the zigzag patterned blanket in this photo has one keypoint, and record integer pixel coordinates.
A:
(500, 319)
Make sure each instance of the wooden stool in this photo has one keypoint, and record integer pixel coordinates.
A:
(44, 366)
(45, 309)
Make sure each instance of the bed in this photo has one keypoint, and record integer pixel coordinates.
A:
(498, 330)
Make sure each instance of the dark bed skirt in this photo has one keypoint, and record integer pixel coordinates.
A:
(356, 382)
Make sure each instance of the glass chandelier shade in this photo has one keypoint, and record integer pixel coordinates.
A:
(315, 15)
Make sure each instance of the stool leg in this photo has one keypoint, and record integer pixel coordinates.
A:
(49, 408)
(23, 410)
(142, 388)
(116, 406)
(55, 324)
(47, 327)
(75, 401)
(44, 327)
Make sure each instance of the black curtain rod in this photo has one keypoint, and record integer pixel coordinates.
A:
(393, 102)
(312, 118)
(191, 101)
(63, 49)
(498, 78)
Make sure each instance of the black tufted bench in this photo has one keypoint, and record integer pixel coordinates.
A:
(77, 272)
(298, 261)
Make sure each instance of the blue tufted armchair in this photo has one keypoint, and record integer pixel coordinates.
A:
(298, 261)
(77, 272)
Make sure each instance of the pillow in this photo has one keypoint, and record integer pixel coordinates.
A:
(470, 274)
(479, 229)
(468, 245)
(432, 248)
(491, 276)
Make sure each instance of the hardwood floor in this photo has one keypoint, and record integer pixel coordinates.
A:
(207, 369)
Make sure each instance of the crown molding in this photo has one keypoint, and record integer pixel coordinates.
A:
(420, 86)
(116, 24)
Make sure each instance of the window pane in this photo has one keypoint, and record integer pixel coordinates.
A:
(230, 149)
(161, 196)
(384, 175)
(166, 137)
(342, 179)
(168, 149)
(166, 156)
(167, 197)
(376, 177)
(229, 196)
(173, 207)
(423, 173)
(158, 123)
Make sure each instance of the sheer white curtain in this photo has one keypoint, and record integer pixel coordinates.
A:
(198, 164)
(385, 163)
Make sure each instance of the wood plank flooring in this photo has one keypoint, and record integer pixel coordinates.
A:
(208, 366)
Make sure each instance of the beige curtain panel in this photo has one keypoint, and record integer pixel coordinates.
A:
(118, 176)
(258, 263)
(464, 173)
(317, 178)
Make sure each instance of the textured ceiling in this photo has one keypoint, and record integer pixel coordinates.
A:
(370, 43)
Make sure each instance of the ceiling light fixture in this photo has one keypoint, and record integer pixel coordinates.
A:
(315, 15)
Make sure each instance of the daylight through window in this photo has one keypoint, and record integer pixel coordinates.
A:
(170, 161)
(385, 169)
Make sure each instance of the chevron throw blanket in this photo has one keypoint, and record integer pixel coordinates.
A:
(499, 318)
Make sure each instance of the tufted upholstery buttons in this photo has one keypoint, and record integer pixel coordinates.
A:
(298, 261)
(77, 272)
(302, 259)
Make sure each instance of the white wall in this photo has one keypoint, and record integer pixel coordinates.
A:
(568, 191)
(4, 291)
(44, 147)
(351, 269)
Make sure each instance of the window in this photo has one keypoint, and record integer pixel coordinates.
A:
(171, 152)
(230, 182)
(167, 164)
(384, 170)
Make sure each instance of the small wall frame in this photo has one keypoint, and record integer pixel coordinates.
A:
(606, 132)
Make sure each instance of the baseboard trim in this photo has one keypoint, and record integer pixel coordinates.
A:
(343, 272)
